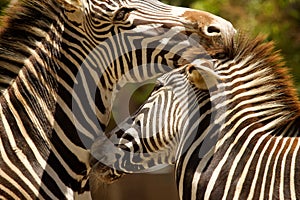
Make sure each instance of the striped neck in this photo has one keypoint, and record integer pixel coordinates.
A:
(31, 100)
(253, 79)
(254, 102)
(256, 81)
(35, 30)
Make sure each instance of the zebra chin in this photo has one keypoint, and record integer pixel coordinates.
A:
(103, 173)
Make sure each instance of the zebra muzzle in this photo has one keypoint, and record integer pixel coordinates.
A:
(103, 173)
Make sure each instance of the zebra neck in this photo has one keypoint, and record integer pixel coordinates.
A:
(256, 83)
(36, 59)
(30, 41)
(31, 66)
(31, 101)
(198, 122)
(242, 111)
(29, 29)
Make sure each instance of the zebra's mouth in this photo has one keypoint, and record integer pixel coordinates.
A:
(104, 173)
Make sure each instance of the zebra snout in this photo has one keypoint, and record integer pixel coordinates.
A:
(104, 151)
(103, 158)
(210, 25)
(211, 29)
(103, 173)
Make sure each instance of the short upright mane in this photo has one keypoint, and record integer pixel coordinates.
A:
(264, 52)
(263, 55)
(18, 37)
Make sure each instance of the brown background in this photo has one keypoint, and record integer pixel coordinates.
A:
(139, 187)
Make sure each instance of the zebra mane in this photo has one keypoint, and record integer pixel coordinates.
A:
(260, 55)
(264, 52)
(24, 25)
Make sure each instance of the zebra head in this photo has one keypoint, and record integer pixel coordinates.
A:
(162, 129)
(149, 31)
(132, 41)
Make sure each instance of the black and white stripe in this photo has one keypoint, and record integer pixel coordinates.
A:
(235, 136)
(55, 55)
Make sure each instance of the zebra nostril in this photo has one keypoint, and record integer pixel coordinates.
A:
(212, 30)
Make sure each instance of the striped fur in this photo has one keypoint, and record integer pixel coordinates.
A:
(240, 140)
(60, 63)
(257, 149)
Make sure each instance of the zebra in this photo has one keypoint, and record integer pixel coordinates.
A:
(230, 126)
(50, 50)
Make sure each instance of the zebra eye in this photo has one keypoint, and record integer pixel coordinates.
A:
(121, 14)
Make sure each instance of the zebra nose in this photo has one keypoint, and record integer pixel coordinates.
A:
(219, 27)
(209, 24)
(212, 30)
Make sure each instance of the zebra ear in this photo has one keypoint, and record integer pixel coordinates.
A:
(200, 77)
(195, 77)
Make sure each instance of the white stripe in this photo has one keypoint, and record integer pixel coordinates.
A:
(20, 155)
(197, 175)
(267, 167)
(237, 67)
(272, 184)
(237, 124)
(79, 152)
(293, 169)
(30, 143)
(217, 170)
(282, 189)
(258, 169)
(239, 185)
(14, 183)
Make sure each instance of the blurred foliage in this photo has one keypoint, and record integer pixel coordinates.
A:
(3, 4)
(279, 19)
